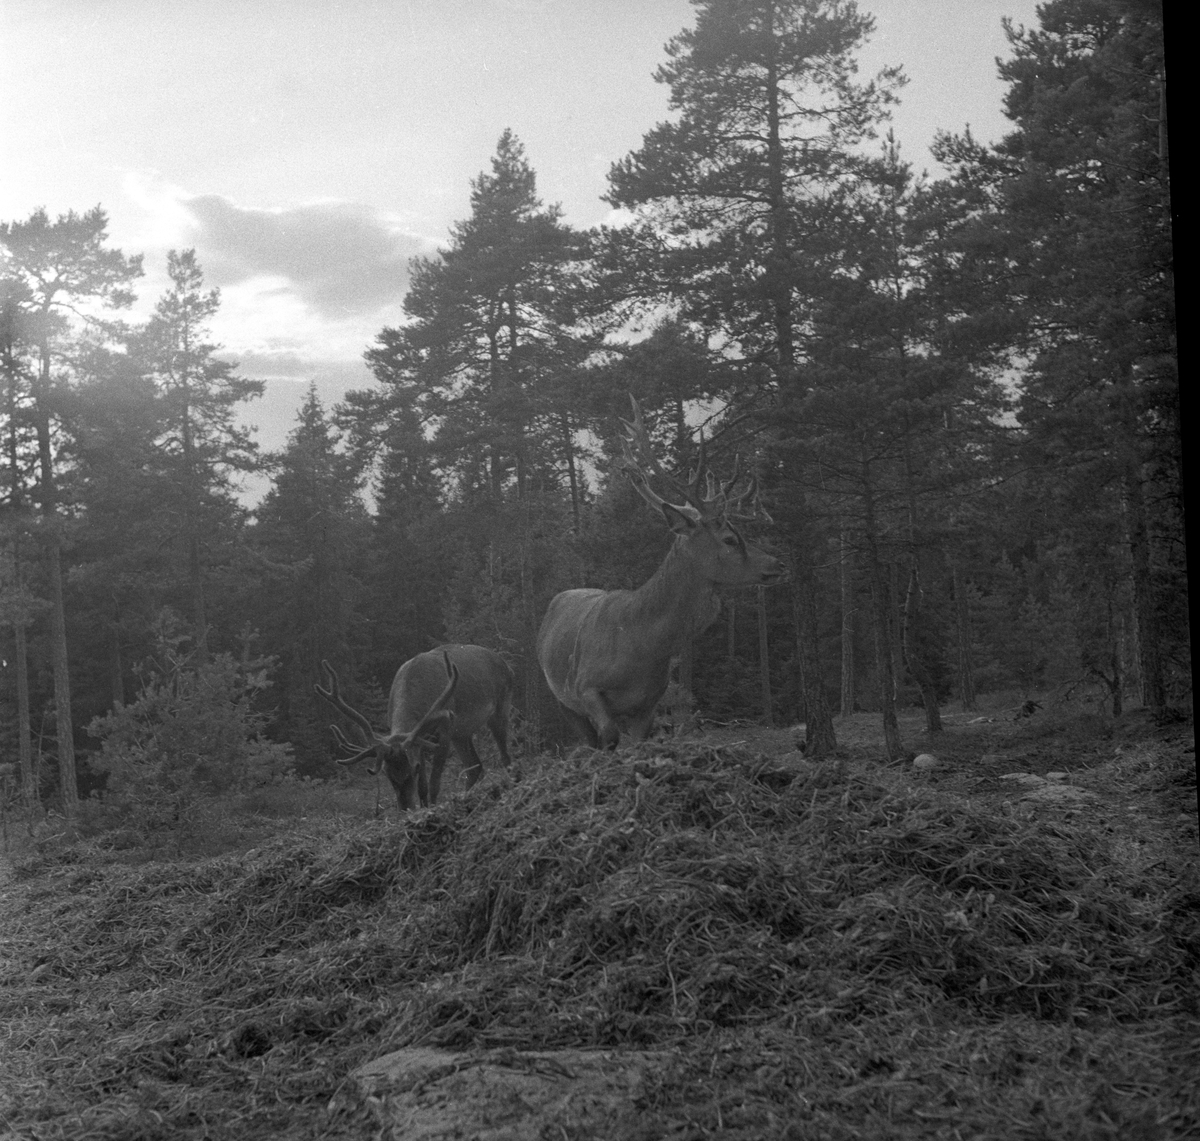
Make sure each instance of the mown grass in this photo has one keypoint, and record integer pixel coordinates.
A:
(814, 952)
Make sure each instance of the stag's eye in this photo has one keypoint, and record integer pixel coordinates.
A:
(732, 541)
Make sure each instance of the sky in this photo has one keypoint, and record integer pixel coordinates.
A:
(307, 149)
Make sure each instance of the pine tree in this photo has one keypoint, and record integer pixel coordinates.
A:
(494, 323)
(736, 202)
(312, 526)
(203, 446)
(732, 196)
(59, 266)
(121, 574)
(1073, 214)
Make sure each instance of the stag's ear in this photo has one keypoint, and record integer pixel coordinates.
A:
(679, 522)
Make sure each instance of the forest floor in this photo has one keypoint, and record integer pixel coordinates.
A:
(708, 936)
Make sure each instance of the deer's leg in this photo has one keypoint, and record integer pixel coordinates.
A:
(472, 766)
(605, 732)
(640, 724)
(579, 726)
(405, 780)
(436, 764)
(499, 727)
(498, 724)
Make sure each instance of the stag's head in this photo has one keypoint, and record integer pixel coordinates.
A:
(402, 755)
(704, 522)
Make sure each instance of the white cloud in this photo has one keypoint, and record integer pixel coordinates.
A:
(304, 289)
(341, 258)
(165, 220)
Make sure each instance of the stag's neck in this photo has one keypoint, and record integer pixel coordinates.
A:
(676, 602)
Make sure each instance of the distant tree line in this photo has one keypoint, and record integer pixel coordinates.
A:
(960, 397)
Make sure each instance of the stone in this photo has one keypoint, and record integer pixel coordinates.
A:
(424, 1094)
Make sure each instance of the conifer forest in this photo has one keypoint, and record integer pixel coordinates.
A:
(958, 394)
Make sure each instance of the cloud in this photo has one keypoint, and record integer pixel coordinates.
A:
(340, 257)
(284, 367)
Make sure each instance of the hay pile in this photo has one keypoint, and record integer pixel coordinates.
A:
(823, 956)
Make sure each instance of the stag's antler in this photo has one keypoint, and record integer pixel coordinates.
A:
(437, 711)
(334, 696)
(639, 455)
(719, 498)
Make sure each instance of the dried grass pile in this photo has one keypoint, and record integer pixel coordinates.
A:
(821, 954)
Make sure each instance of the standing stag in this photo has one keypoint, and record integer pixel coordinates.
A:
(606, 654)
(439, 699)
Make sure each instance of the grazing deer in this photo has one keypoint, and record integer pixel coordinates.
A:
(439, 699)
(606, 654)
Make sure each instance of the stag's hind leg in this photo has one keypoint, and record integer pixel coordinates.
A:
(498, 724)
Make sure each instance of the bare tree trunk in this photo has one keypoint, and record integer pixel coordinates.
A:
(1114, 641)
(846, 584)
(764, 657)
(572, 474)
(51, 523)
(962, 629)
(24, 733)
(12, 372)
(687, 664)
(881, 611)
(64, 730)
(1149, 654)
(911, 643)
(731, 632)
(819, 737)
(117, 672)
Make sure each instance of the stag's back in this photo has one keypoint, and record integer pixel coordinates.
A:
(485, 683)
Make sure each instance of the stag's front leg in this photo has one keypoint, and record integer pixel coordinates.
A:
(468, 755)
(437, 763)
(405, 778)
(608, 734)
(638, 725)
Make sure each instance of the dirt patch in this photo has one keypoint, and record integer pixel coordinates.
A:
(422, 1094)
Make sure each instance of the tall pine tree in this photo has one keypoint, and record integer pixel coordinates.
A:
(60, 266)
(1074, 215)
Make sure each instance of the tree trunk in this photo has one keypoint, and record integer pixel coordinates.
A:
(1149, 655)
(572, 474)
(779, 270)
(819, 737)
(912, 643)
(21, 619)
(64, 731)
(116, 671)
(846, 584)
(24, 739)
(192, 525)
(764, 658)
(962, 630)
(881, 613)
(48, 495)
(1114, 642)
(687, 664)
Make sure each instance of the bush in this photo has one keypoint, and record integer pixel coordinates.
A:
(190, 733)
